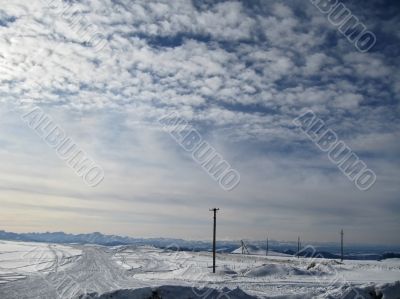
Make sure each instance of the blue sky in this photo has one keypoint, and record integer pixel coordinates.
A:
(240, 72)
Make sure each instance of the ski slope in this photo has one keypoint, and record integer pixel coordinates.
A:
(38, 270)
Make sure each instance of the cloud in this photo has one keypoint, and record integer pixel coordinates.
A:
(238, 71)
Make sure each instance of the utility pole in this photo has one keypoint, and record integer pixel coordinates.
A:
(214, 235)
(341, 245)
(298, 246)
(266, 252)
(244, 248)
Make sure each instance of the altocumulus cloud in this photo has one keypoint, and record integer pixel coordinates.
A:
(240, 72)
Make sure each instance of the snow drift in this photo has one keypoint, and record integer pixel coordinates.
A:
(171, 292)
(370, 291)
(281, 270)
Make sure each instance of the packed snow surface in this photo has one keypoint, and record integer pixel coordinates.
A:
(20, 259)
(39, 270)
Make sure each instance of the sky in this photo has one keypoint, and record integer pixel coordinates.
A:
(238, 72)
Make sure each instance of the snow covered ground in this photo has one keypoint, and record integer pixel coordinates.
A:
(38, 270)
(20, 259)
(275, 275)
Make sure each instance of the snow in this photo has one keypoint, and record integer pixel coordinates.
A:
(382, 291)
(258, 251)
(174, 292)
(279, 270)
(275, 275)
(39, 270)
(19, 259)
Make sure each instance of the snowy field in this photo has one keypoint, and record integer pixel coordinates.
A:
(20, 259)
(39, 270)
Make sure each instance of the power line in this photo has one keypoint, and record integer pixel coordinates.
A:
(214, 235)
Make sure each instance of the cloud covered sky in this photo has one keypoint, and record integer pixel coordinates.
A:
(240, 72)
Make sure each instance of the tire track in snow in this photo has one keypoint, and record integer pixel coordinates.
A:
(93, 272)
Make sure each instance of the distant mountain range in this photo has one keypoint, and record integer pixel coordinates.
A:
(326, 250)
(98, 238)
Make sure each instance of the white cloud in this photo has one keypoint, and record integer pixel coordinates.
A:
(239, 73)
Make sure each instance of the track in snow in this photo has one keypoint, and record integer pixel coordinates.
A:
(102, 269)
(94, 271)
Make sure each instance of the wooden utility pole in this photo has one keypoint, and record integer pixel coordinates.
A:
(266, 252)
(214, 235)
(298, 246)
(341, 245)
